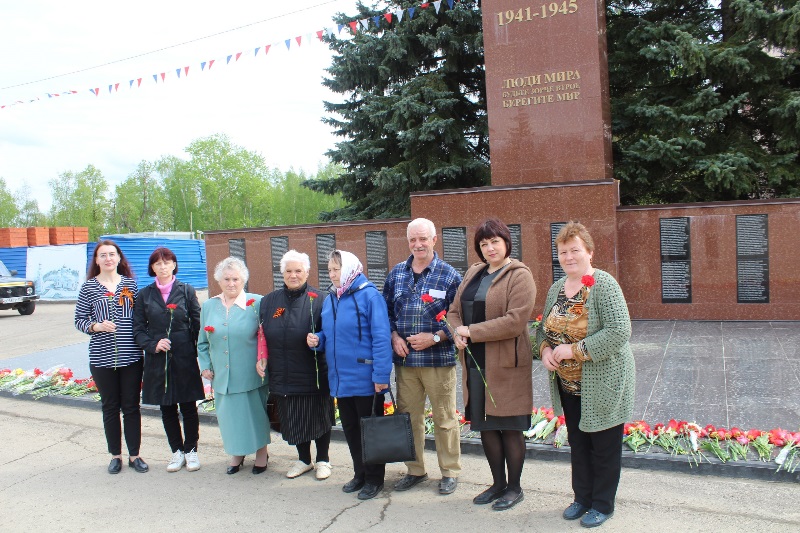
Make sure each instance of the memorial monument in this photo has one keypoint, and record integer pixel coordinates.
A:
(550, 147)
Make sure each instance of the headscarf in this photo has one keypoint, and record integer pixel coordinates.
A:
(351, 268)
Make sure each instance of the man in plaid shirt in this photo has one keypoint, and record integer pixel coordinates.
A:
(424, 353)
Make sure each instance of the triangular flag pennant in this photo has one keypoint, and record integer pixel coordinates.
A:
(340, 27)
(328, 30)
(450, 3)
(211, 64)
(155, 78)
(319, 34)
(256, 52)
(163, 74)
(398, 14)
(116, 87)
(298, 39)
(238, 55)
(139, 82)
(377, 21)
(388, 17)
(185, 71)
(424, 5)
(229, 59)
(178, 72)
(109, 88)
(353, 26)
(364, 23)
(288, 43)
(437, 5)
(97, 91)
(130, 84)
(266, 49)
(411, 12)
(203, 65)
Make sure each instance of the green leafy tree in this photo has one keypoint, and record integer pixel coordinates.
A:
(8, 206)
(182, 190)
(414, 116)
(294, 204)
(705, 99)
(140, 203)
(28, 212)
(80, 199)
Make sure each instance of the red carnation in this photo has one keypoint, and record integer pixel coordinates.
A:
(172, 307)
(312, 295)
(442, 314)
(251, 301)
(539, 318)
(427, 298)
(109, 294)
(587, 280)
(209, 329)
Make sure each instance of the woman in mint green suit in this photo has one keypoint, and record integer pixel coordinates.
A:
(227, 348)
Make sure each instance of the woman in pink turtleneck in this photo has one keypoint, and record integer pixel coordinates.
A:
(166, 321)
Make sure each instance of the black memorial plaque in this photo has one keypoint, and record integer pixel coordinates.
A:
(516, 241)
(377, 257)
(236, 248)
(454, 244)
(326, 243)
(676, 261)
(558, 272)
(279, 246)
(752, 259)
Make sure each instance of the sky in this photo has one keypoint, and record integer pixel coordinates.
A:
(271, 104)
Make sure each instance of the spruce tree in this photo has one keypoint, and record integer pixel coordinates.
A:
(705, 99)
(414, 114)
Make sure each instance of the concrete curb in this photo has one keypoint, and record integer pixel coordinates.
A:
(541, 452)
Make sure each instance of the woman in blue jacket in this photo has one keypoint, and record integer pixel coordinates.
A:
(357, 342)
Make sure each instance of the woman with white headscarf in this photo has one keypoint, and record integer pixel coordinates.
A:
(356, 339)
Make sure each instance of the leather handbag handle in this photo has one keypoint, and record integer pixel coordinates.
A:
(375, 396)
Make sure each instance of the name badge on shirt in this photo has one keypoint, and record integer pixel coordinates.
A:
(437, 293)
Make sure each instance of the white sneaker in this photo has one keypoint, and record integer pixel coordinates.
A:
(177, 462)
(298, 469)
(192, 462)
(323, 470)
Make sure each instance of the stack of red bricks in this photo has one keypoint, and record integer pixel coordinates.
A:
(40, 236)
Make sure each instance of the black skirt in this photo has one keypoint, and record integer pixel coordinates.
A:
(305, 417)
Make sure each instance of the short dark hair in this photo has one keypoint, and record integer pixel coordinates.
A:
(161, 254)
(492, 228)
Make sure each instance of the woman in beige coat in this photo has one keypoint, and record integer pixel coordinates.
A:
(490, 315)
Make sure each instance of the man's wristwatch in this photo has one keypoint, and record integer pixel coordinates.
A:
(436, 338)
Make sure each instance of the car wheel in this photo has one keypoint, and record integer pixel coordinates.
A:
(27, 309)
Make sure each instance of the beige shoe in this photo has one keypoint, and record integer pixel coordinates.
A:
(323, 470)
(298, 469)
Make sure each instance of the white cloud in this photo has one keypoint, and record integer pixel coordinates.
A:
(270, 103)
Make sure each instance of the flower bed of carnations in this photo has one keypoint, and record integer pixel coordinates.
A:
(676, 438)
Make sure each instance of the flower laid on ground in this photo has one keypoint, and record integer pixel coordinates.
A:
(637, 434)
(208, 403)
(388, 408)
(54, 381)
(429, 424)
(442, 318)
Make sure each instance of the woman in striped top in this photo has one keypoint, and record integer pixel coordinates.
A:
(105, 311)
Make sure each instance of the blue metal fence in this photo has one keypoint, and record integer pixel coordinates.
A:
(15, 259)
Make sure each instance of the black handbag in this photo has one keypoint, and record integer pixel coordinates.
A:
(386, 439)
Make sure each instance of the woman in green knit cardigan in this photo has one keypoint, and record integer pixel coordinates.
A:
(583, 340)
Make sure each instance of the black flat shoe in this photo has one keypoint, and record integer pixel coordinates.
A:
(235, 468)
(370, 491)
(574, 511)
(115, 465)
(507, 501)
(138, 465)
(488, 496)
(595, 518)
(353, 485)
(448, 485)
(409, 481)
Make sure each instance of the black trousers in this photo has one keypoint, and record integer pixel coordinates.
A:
(187, 441)
(596, 459)
(120, 390)
(350, 412)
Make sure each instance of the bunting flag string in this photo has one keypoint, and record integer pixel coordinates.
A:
(391, 17)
